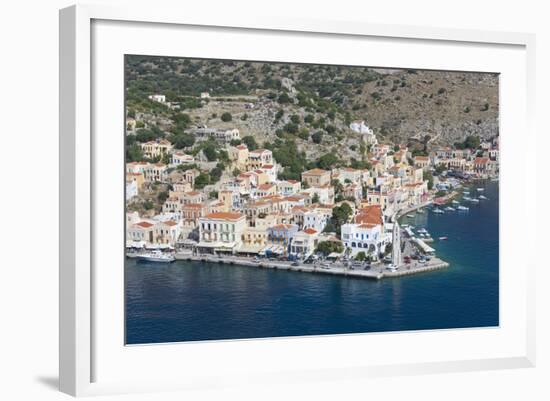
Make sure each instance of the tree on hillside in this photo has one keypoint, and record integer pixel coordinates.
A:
(202, 180)
(317, 137)
(210, 152)
(250, 142)
(226, 117)
(284, 98)
(134, 153)
(181, 141)
(327, 161)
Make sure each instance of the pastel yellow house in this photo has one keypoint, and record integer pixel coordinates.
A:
(239, 154)
(316, 177)
(154, 149)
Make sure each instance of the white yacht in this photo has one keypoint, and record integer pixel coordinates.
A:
(439, 211)
(463, 208)
(156, 256)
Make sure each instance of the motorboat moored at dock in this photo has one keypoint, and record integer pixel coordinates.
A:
(155, 256)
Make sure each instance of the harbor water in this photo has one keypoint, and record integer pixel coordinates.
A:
(191, 301)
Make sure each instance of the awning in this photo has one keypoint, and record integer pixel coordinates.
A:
(135, 244)
(275, 249)
(159, 246)
(251, 248)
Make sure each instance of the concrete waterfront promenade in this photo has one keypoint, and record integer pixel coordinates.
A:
(377, 271)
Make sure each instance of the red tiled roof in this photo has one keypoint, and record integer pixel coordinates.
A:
(224, 216)
(315, 171)
(144, 224)
(481, 160)
(310, 231)
(370, 215)
(266, 186)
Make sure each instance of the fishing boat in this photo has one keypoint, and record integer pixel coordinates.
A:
(454, 202)
(422, 231)
(410, 215)
(480, 189)
(443, 238)
(482, 197)
(156, 256)
(439, 211)
(474, 200)
(450, 209)
(463, 208)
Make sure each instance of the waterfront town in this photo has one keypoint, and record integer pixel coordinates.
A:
(211, 193)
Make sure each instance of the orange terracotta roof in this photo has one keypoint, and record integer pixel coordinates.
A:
(315, 171)
(370, 215)
(144, 224)
(224, 216)
(266, 186)
(310, 231)
(171, 223)
(481, 160)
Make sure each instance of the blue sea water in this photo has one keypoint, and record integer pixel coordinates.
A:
(188, 301)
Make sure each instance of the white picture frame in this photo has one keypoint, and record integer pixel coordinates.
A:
(79, 283)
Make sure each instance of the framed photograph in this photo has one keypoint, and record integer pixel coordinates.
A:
(283, 200)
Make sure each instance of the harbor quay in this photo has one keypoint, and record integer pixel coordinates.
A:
(376, 271)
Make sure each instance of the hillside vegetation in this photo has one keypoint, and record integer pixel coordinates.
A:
(313, 105)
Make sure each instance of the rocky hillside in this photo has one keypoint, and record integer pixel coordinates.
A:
(314, 104)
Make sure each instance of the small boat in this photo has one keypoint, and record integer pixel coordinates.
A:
(482, 197)
(474, 200)
(156, 256)
(463, 208)
(450, 209)
(480, 189)
(410, 215)
(443, 238)
(454, 202)
(439, 211)
(422, 231)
